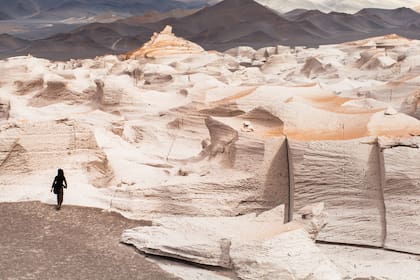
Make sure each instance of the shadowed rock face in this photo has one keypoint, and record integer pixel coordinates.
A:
(222, 141)
(56, 91)
(4, 109)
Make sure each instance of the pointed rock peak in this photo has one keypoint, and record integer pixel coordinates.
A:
(165, 43)
(167, 30)
(237, 2)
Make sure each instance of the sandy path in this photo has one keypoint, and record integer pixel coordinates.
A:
(38, 242)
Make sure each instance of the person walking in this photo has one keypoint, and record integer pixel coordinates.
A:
(57, 186)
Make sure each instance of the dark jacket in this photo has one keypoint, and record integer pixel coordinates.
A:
(58, 183)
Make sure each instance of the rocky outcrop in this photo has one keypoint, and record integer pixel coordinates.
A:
(276, 64)
(168, 240)
(402, 193)
(25, 87)
(58, 91)
(312, 67)
(40, 147)
(390, 122)
(313, 218)
(369, 186)
(165, 43)
(411, 105)
(106, 96)
(290, 255)
(242, 52)
(4, 109)
(346, 176)
(222, 141)
(252, 246)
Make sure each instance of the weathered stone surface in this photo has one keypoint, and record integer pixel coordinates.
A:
(189, 272)
(402, 195)
(107, 96)
(356, 262)
(390, 123)
(245, 173)
(312, 67)
(346, 176)
(203, 240)
(165, 43)
(253, 246)
(181, 241)
(276, 64)
(290, 255)
(58, 91)
(313, 218)
(43, 146)
(4, 109)
(24, 87)
(242, 52)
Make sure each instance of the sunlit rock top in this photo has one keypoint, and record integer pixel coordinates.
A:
(165, 43)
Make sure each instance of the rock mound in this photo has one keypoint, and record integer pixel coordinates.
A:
(165, 43)
(254, 247)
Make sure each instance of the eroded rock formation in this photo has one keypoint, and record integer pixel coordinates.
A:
(4, 109)
(181, 132)
(252, 246)
(165, 43)
(40, 147)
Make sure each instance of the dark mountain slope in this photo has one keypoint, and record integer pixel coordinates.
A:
(231, 23)
(11, 43)
(4, 16)
(396, 18)
(77, 8)
(292, 15)
(222, 25)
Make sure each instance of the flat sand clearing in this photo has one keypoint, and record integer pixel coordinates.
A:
(38, 242)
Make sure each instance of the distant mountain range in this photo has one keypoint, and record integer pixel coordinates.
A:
(347, 6)
(60, 9)
(227, 24)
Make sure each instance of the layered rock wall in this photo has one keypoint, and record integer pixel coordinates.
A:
(37, 147)
(346, 176)
(402, 195)
(370, 187)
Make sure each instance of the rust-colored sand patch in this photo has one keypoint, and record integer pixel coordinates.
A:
(273, 132)
(339, 134)
(402, 80)
(305, 85)
(234, 97)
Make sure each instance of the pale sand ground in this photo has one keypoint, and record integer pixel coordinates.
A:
(353, 262)
(38, 242)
